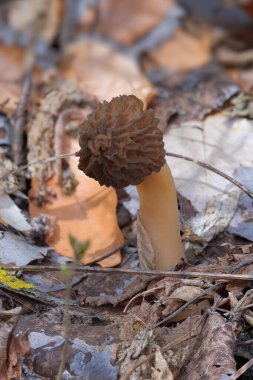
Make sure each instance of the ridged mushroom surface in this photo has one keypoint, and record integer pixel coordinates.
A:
(120, 143)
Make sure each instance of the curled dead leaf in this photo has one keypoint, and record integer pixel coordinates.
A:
(103, 72)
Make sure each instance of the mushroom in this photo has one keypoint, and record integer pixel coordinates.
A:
(121, 145)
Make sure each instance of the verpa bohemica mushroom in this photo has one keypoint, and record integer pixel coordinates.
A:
(121, 145)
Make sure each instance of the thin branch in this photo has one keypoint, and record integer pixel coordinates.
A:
(185, 305)
(17, 145)
(155, 273)
(199, 163)
(106, 255)
(242, 370)
(67, 326)
(214, 170)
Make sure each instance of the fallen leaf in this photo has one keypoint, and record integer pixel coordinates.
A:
(11, 215)
(183, 51)
(161, 370)
(242, 221)
(16, 250)
(101, 71)
(5, 330)
(100, 289)
(87, 214)
(12, 66)
(127, 21)
(88, 211)
(212, 357)
(24, 15)
(93, 342)
(192, 96)
(215, 141)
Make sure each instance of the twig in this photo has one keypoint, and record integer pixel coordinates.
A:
(106, 255)
(144, 293)
(244, 342)
(66, 329)
(184, 306)
(20, 118)
(42, 161)
(200, 163)
(68, 21)
(65, 117)
(230, 270)
(155, 273)
(242, 370)
(214, 170)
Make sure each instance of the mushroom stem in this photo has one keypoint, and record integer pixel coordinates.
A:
(160, 217)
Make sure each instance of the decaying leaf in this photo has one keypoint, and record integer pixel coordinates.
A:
(5, 330)
(11, 215)
(101, 71)
(213, 353)
(127, 21)
(192, 96)
(16, 250)
(161, 370)
(94, 338)
(41, 129)
(183, 51)
(145, 249)
(25, 15)
(213, 220)
(242, 221)
(89, 211)
(87, 214)
(216, 141)
(12, 65)
(100, 289)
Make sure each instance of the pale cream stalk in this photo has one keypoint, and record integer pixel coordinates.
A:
(160, 217)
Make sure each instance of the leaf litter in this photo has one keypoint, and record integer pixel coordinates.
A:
(123, 325)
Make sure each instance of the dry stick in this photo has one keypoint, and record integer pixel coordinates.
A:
(20, 118)
(184, 306)
(230, 270)
(214, 170)
(244, 342)
(67, 325)
(106, 255)
(199, 163)
(242, 370)
(155, 273)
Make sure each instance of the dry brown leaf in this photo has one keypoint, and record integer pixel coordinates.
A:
(145, 249)
(161, 370)
(126, 21)
(213, 352)
(5, 330)
(186, 293)
(178, 297)
(101, 71)
(183, 51)
(24, 15)
(87, 214)
(12, 65)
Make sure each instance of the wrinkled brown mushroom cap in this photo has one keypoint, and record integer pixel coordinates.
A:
(120, 143)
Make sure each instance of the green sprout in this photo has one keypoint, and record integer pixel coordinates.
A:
(79, 247)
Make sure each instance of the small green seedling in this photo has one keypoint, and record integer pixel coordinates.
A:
(79, 247)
